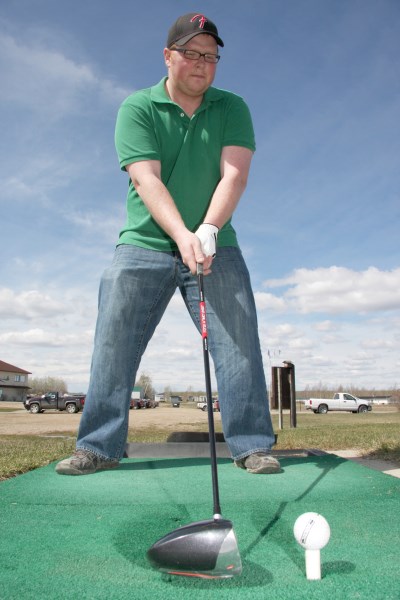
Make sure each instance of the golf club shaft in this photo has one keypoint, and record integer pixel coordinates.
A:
(210, 414)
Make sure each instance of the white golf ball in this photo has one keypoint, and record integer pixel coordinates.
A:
(312, 531)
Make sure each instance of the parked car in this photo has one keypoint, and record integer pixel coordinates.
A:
(341, 401)
(137, 403)
(151, 403)
(54, 401)
(203, 406)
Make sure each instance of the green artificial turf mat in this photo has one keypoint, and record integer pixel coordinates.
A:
(87, 537)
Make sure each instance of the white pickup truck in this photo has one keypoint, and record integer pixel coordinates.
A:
(203, 406)
(340, 401)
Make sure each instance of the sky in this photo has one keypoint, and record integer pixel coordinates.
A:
(318, 223)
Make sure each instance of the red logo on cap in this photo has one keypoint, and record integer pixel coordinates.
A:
(202, 20)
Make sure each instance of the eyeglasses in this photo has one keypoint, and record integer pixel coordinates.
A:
(194, 55)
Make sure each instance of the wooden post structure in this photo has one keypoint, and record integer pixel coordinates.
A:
(283, 392)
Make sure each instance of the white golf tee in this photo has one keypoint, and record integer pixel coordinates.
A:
(313, 564)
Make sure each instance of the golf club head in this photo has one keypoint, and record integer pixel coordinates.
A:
(206, 549)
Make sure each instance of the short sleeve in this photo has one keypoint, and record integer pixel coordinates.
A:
(135, 138)
(238, 129)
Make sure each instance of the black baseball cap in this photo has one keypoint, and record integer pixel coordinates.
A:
(190, 25)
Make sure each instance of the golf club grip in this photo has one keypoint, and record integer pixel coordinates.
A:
(210, 413)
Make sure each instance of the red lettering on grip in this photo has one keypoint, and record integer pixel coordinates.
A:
(203, 322)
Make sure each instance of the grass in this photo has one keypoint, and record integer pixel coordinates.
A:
(374, 435)
(371, 437)
(22, 453)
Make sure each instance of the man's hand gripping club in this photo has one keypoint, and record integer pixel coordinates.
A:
(198, 248)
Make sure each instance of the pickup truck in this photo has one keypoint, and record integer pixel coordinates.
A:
(340, 401)
(54, 401)
(203, 406)
(137, 403)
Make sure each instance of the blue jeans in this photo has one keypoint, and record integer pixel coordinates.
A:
(134, 294)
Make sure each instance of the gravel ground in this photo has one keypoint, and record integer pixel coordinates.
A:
(22, 422)
(184, 418)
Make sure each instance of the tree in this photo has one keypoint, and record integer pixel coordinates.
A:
(41, 385)
(146, 383)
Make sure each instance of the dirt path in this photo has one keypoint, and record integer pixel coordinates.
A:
(21, 422)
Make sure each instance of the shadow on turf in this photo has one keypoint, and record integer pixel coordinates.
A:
(341, 567)
(166, 463)
(134, 549)
(140, 464)
(285, 536)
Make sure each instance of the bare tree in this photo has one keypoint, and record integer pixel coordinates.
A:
(41, 385)
(146, 383)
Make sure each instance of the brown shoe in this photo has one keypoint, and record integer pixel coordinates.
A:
(259, 462)
(84, 462)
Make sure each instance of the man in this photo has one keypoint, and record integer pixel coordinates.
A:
(187, 148)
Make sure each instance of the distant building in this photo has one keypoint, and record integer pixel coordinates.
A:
(137, 393)
(13, 383)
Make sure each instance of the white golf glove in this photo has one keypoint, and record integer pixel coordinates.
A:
(207, 235)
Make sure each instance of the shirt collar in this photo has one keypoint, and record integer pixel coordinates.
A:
(158, 94)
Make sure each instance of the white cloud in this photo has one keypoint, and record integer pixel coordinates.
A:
(358, 342)
(48, 82)
(326, 326)
(62, 345)
(28, 305)
(47, 338)
(28, 265)
(266, 301)
(320, 361)
(39, 180)
(106, 225)
(284, 331)
(338, 290)
(332, 339)
(378, 344)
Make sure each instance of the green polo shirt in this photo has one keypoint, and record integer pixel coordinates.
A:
(152, 127)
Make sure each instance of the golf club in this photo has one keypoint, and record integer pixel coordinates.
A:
(206, 549)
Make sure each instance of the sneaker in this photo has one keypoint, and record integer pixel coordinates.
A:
(259, 462)
(84, 462)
